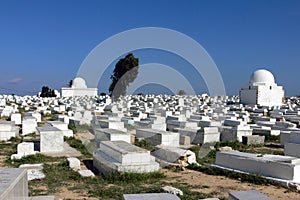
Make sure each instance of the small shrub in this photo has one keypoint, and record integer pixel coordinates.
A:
(77, 144)
(144, 144)
(128, 177)
(272, 138)
(236, 145)
(33, 159)
(250, 178)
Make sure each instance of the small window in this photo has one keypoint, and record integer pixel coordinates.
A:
(249, 87)
(270, 87)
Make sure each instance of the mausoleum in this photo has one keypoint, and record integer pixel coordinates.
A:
(262, 90)
(78, 88)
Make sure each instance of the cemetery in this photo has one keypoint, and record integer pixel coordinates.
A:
(145, 140)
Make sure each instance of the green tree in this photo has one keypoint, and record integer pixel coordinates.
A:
(120, 78)
(47, 92)
(181, 92)
(70, 83)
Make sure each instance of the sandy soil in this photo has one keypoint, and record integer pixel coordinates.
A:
(222, 185)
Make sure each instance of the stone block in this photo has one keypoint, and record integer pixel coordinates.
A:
(16, 117)
(292, 149)
(104, 134)
(121, 156)
(28, 126)
(34, 171)
(86, 173)
(185, 140)
(253, 140)
(51, 139)
(74, 163)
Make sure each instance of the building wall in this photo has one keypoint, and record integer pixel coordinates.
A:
(263, 95)
(248, 97)
(270, 95)
(71, 92)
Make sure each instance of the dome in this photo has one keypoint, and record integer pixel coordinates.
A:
(262, 76)
(79, 83)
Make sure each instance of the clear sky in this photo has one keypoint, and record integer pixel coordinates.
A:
(45, 42)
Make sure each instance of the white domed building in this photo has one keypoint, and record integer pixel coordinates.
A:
(78, 88)
(262, 90)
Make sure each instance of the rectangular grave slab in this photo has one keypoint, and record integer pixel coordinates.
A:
(275, 166)
(248, 195)
(159, 137)
(151, 196)
(13, 183)
(113, 156)
(104, 134)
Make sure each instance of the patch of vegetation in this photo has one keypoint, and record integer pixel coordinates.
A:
(125, 178)
(188, 194)
(264, 150)
(49, 117)
(41, 123)
(144, 144)
(80, 128)
(272, 138)
(77, 144)
(57, 176)
(249, 178)
(236, 145)
(21, 110)
(205, 156)
(16, 139)
(31, 135)
(4, 118)
(33, 159)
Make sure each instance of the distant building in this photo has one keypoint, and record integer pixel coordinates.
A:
(78, 88)
(262, 90)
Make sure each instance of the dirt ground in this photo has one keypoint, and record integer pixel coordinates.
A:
(223, 185)
(219, 184)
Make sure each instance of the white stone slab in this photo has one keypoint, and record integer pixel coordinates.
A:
(51, 139)
(13, 184)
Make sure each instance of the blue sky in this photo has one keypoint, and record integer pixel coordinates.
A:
(45, 42)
